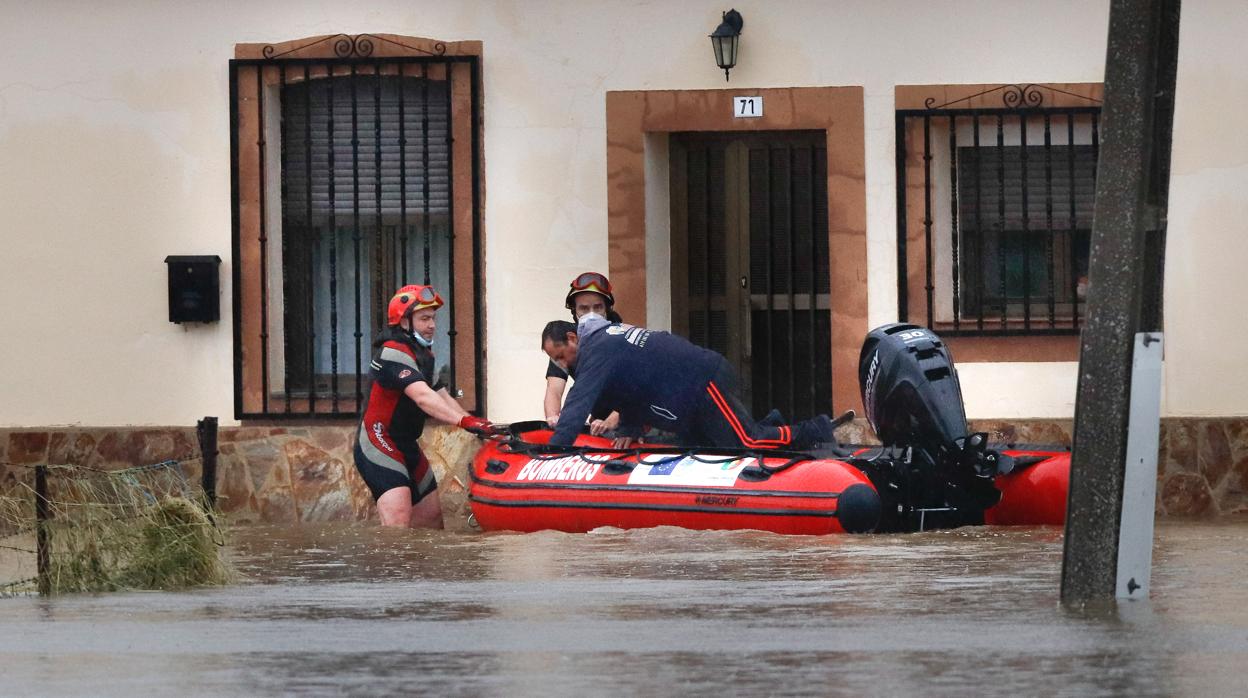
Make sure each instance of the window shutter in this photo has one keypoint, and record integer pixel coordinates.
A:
(988, 193)
(306, 108)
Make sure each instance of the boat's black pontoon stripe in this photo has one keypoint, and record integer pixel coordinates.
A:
(531, 504)
(671, 489)
(1052, 449)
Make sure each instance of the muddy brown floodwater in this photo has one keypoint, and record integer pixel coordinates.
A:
(352, 609)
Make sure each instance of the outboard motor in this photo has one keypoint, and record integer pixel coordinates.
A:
(939, 474)
(909, 388)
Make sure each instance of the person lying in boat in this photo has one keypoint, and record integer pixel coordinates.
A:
(589, 292)
(399, 400)
(663, 380)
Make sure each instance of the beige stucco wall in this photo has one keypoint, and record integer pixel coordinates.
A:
(114, 152)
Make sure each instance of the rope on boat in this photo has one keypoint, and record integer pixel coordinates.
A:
(513, 443)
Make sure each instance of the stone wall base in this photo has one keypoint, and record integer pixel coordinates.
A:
(264, 474)
(306, 473)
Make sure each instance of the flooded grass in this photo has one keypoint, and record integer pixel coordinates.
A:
(106, 531)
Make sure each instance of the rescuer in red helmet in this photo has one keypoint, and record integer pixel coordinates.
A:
(402, 395)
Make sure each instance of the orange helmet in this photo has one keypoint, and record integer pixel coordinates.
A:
(409, 299)
(590, 282)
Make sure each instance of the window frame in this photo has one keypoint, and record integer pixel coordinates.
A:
(1029, 336)
(254, 176)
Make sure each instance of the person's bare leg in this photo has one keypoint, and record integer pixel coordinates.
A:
(427, 513)
(394, 506)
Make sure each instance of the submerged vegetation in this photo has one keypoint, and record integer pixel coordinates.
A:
(139, 528)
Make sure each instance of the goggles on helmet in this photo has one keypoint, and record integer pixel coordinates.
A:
(409, 299)
(427, 295)
(590, 282)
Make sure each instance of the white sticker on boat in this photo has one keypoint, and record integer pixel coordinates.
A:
(688, 471)
(567, 468)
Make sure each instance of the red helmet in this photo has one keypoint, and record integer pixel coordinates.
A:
(409, 299)
(590, 282)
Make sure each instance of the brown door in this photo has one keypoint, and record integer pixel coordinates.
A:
(750, 261)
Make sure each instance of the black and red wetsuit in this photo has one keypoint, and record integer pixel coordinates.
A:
(386, 452)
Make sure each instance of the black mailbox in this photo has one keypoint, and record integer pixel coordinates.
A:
(194, 289)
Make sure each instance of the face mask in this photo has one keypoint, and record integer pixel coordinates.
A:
(591, 315)
(426, 343)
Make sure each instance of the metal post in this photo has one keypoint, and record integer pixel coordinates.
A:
(41, 530)
(1132, 181)
(206, 429)
(1139, 482)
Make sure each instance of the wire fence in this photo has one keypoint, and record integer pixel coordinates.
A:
(67, 528)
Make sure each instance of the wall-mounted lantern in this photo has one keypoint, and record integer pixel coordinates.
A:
(724, 40)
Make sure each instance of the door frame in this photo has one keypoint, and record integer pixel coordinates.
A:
(838, 111)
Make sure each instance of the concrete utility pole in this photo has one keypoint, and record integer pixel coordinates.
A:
(1115, 424)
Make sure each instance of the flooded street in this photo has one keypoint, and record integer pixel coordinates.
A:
(357, 610)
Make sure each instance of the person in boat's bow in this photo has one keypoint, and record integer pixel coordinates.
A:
(589, 292)
(660, 379)
(400, 398)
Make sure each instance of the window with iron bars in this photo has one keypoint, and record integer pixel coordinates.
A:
(347, 153)
(995, 213)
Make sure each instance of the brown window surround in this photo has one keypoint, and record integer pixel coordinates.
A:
(985, 96)
(838, 111)
(259, 395)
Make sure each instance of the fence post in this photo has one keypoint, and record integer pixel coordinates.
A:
(41, 530)
(206, 428)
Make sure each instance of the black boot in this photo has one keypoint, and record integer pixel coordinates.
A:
(814, 432)
(772, 419)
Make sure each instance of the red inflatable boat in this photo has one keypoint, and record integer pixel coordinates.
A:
(929, 472)
(520, 483)
(1034, 492)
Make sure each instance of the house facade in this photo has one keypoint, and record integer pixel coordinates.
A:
(863, 163)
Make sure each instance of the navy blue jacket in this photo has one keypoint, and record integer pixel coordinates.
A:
(649, 377)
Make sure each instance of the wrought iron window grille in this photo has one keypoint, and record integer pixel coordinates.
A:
(344, 189)
(352, 46)
(994, 209)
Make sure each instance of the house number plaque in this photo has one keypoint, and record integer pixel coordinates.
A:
(747, 107)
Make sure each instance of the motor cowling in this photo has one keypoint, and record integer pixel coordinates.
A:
(934, 472)
(910, 389)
